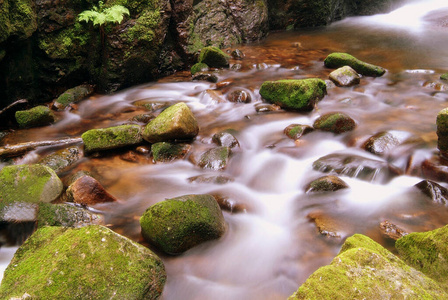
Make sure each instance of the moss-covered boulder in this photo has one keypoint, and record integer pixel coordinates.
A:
(29, 183)
(427, 252)
(442, 131)
(199, 67)
(364, 269)
(329, 183)
(62, 159)
(294, 94)
(214, 57)
(164, 152)
(338, 60)
(335, 122)
(37, 116)
(177, 122)
(215, 158)
(296, 131)
(91, 262)
(111, 138)
(178, 224)
(73, 95)
(345, 76)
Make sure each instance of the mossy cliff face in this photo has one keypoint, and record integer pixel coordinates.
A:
(92, 262)
(365, 270)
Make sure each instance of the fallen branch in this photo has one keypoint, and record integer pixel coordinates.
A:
(19, 149)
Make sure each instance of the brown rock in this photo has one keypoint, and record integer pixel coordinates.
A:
(87, 190)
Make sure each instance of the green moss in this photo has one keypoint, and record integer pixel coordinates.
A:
(144, 27)
(29, 183)
(178, 224)
(4, 20)
(163, 151)
(34, 117)
(338, 60)
(73, 95)
(199, 67)
(299, 95)
(214, 57)
(335, 122)
(427, 252)
(135, 6)
(112, 137)
(23, 18)
(444, 76)
(91, 262)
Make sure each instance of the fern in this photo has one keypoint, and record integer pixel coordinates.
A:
(100, 16)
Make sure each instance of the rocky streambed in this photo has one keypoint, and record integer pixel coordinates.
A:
(214, 188)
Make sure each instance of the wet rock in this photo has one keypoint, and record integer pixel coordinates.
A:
(142, 118)
(28, 183)
(73, 95)
(326, 224)
(435, 168)
(265, 107)
(227, 204)
(176, 122)
(444, 76)
(237, 54)
(66, 215)
(199, 67)
(363, 269)
(427, 252)
(239, 96)
(436, 86)
(345, 76)
(214, 57)
(442, 131)
(86, 190)
(225, 139)
(205, 76)
(220, 179)
(338, 60)
(111, 138)
(382, 142)
(328, 183)
(35, 117)
(164, 152)
(178, 224)
(434, 191)
(215, 159)
(356, 166)
(335, 122)
(294, 94)
(296, 131)
(44, 266)
(60, 160)
(391, 230)
(151, 105)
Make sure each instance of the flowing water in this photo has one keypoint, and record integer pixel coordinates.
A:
(272, 245)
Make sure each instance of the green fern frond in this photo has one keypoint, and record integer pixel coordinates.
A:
(98, 16)
(115, 14)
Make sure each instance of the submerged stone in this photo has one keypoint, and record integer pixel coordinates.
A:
(214, 57)
(296, 131)
(164, 152)
(345, 76)
(326, 224)
(205, 76)
(91, 262)
(294, 94)
(239, 96)
(436, 192)
(199, 67)
(111, 138)
(60, 160)
(391, 230)
(427, 252)
(35, 117)
(382, 142)
(335, 122)
(73, 95)
(365, 270)
(338, 60)
(329, 183)
(177, 122)
(178, 224)
(215, 159)
(225, 139)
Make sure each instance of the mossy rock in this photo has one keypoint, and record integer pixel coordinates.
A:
(66, 215)
(296, 131)
(177, 122)
(73, 95)
(62, 159)
(294, 94)
(328, 183)
(199, 67)
(225, 139)
(178, 224)
(442, 130)
(335, 122)
(34, 117)
(215, 159)
(345, 76)
(164, 152)
(29, 183)
(214, 57)
(111, 138)
(338, 60)
(365, 270)
(444, 76)
(91, 262)
(427, 252)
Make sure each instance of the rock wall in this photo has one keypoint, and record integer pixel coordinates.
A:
(44, 49)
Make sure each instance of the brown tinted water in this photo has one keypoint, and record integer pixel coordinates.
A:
(273, 245)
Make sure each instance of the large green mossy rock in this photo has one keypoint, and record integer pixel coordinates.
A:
(92, 262)
(111, 138)
(338, 60)
(29, 183)
(178, 224)
(427, 252)
(294, 94)
(214, 57)
(365, 270)
(34, 117)
(73, 95)
(177, 122)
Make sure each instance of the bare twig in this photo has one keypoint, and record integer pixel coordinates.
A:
(19, 149)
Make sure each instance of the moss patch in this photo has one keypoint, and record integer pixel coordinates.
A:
(163, 152)
(34, 117)
(199, 67)
(92, 262)
(111, 138)
(335, 122)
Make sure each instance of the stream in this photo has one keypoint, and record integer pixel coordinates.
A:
(272, 245)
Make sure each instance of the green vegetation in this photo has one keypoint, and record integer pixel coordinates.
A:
(35, 117)
(338, 60)
(111, 138)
